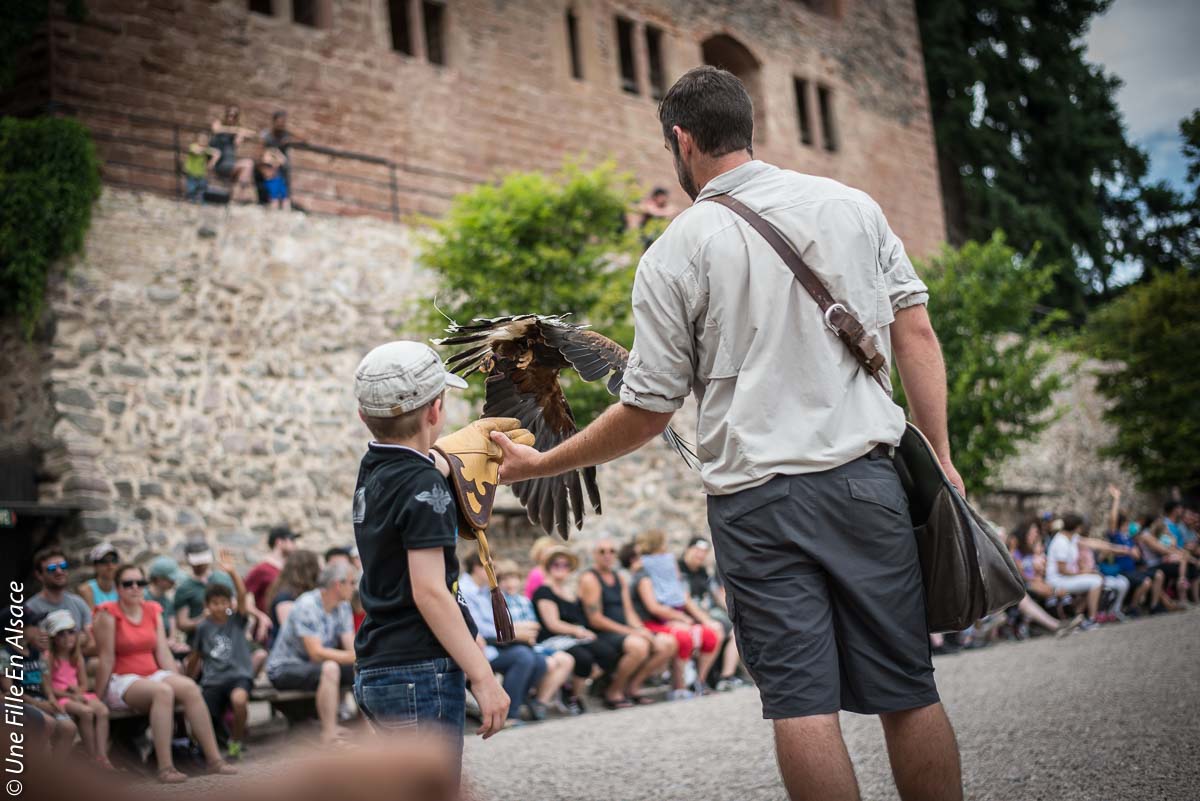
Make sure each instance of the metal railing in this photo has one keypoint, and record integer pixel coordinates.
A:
(146, 153)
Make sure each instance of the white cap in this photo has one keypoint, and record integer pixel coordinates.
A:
(399, 377)
(59, 620)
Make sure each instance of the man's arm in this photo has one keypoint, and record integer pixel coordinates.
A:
(918, 357)
(427, 569)
(621, 429)
(318, 652)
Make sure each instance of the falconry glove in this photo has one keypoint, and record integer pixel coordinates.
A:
(474, 474)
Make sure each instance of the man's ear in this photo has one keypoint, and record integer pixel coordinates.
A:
(685, 142)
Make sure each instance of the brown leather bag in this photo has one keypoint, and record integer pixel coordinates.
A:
(967, 572)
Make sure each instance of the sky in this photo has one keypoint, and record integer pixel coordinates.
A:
(1154, 47)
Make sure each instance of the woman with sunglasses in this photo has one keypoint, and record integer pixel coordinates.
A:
(137, 671)
(101, 588)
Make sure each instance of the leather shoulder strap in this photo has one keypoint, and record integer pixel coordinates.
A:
(837, 316)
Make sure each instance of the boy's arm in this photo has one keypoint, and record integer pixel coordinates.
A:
(225, 562)
(192, 666)
(427, 569)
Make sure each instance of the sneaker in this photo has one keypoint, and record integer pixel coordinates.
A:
(537, 710)
(680, 695)
(235, 750)
(1070, 625)
(1088, 625)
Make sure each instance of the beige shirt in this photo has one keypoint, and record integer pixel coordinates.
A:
(717, 312)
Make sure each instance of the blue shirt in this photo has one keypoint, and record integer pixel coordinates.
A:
(1121, 563)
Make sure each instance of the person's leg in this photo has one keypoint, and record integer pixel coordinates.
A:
(85, 722)
(683, 654)
(1156, 589)
(558, 670)
(1030, 610)
(195, 711)
(1093, 601)
(1141, 591)
(662, 651)
(813, 759)
(923, 753)
(63, 738)
(101, 713)
(156, 699)
(634, 651)
(1120, 585)
(239, 699)
(328, 694)
(708, 653)
(730, 658)
(520, 666)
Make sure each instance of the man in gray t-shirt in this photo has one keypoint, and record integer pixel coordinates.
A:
(50, 566)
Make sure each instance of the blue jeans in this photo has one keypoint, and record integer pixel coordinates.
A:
(196, 187)
(426, 697)
(523, 668)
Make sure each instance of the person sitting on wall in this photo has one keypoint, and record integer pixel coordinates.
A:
(271, 165)
(227, 135)
(279, 138)
(314, 650)
(199, 159)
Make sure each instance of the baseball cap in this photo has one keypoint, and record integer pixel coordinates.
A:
(197, 552)
(399, 377)
(165, 567)
(698, 542)
(59, 620)
(280, 533)
(102, 550)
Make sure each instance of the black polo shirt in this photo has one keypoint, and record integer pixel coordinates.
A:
(401, 503)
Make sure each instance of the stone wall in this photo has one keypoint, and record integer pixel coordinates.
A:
(196, 378)
(505, 98)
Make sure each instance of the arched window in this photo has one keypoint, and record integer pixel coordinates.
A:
(728, 53)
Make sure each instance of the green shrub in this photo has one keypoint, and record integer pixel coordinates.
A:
(541, 244)
(982, 297)
(1151, 337)
(49, 178)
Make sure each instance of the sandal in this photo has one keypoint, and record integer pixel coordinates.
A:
(620, 703)
(222, 768)
(643, 700)
(105, 764)
(171, 776)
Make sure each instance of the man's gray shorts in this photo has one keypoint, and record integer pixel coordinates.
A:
(825, 592)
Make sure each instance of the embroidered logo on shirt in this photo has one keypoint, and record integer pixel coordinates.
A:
(437, 497)
(360, 504)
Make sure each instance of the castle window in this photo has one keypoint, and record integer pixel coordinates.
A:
(625, 49)
(573, 45)
(401, 35)
(434, 15)
(261, 7)
(312, 13)
(828, 128)
(654, 55)
(828, 8)
(806, 133)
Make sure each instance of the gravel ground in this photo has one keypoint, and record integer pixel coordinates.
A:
(1100, 716)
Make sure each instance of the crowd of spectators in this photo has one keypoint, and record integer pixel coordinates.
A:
(637, 624)
(220, 151)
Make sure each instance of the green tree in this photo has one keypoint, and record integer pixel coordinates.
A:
(541, 244)
(1029, 137)
(999, 387)
(1150, 338)
(49, 178)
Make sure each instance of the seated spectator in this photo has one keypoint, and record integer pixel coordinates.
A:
(1063, 571)
(562, 618)
(1160, 549)
(525, 622)
(536, 553)
(199, 159)
(709, 594)
(525, 670)
(651, 216)
(338, 555)
(1148, 582)
(281, 542)
(314, 649)
(224, 652)
(227, 135)
(271, 165)
(68, 685)
(136, 671)
(299, 575)
(189, 595)
(101, 588)
(610, 613)
(47, 724)
(661, 601)
(51, 567)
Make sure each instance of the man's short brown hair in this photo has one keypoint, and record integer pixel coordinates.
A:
(39, 558)
(402, 426)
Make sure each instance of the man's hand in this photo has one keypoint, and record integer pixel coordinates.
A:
(493, 705)
(520, 463)
(955, 478)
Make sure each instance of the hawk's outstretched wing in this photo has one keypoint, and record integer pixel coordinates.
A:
(522, 356)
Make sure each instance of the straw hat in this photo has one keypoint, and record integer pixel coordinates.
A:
(553, 553)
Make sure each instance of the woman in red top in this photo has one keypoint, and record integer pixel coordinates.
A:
(137, 671)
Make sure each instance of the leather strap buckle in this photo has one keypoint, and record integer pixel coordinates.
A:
(829, 312)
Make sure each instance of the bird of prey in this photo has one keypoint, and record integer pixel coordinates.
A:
(522, 356)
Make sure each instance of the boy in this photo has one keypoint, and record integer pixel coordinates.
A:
(273, 167)
(199, 160)
(221, 643)
(417, 633)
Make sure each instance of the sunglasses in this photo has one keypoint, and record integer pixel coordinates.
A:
(560, 564)
(111, 559)
(131, 583)
(606, 550)
(54, 567)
